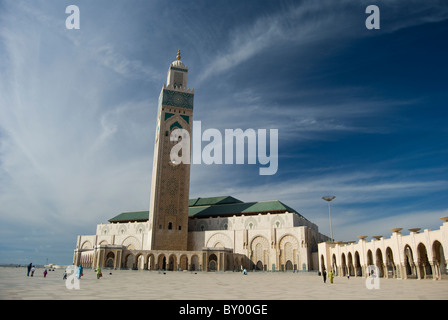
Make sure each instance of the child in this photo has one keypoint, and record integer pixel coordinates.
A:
(32, 270)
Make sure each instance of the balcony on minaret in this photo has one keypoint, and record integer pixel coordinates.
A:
(177, 75)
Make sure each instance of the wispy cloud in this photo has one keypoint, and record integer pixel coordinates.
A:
(78, 113)
(311, 22)
(65, 160)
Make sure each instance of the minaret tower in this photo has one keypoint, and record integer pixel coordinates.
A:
(168, 211)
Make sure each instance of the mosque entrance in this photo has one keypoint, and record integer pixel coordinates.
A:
(110, 263)
(110, 260)
(212, 262)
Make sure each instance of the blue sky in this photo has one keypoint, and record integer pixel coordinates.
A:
(361, 113)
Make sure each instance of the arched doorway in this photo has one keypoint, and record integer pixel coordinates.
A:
(351, 269)
(110, 260)
(334, 265)
(409, 265)
(390, 265)
(423, 262)
(379, 262)
(322, 263)
(343, 265)
(238, 264)
(259, 266)
(289, 266)
(358, 267)
(439, 260)
(161, 262)
(151, 262)
(369, 258)
(129, 261)
(194, 263)
(183, 262)
(140, 262)
(212, 262)
(172, 263)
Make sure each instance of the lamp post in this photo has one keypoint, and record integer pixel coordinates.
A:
(328, 199)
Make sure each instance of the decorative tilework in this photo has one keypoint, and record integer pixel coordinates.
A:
(174, 125)
(177, 99)
(178, 69)
(168, 115)
(186, 118)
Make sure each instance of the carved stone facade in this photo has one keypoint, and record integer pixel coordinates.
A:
(222, 244)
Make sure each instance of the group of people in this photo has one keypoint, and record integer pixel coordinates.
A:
(80, 273)
(31, 269)
(330, 276)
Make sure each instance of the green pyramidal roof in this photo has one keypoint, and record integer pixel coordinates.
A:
(213, 207)
(131, 216)
(230, 209)
(212, 201)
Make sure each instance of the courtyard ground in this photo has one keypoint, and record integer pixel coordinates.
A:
(154, 285)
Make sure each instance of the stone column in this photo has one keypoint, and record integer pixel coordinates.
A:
(77, 258)
(118, 262)
(221, 262)
(404, 274)
(434, 269)
(417, 269)
(384, 270)
(100, 262)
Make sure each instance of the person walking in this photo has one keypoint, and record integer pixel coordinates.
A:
(324, 275)
(80, 270)
(98, 273)
(45, 273)
(330, 276)
(29, 269)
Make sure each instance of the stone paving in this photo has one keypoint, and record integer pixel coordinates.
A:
(154, 285)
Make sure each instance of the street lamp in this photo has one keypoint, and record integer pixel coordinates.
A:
(328, 199)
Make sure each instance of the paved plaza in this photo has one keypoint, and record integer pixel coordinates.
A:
(152, 285)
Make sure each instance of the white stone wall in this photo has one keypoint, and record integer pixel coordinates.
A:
(416, 254)
(271, 239)
(260, 221)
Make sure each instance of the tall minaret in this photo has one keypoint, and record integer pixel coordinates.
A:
(168, 211)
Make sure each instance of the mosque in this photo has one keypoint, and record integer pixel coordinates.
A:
(223, 233)
(209, 234)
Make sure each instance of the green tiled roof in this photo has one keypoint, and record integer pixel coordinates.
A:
(213, 207)
(131, 216)
(273, 206)
(212, 201)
